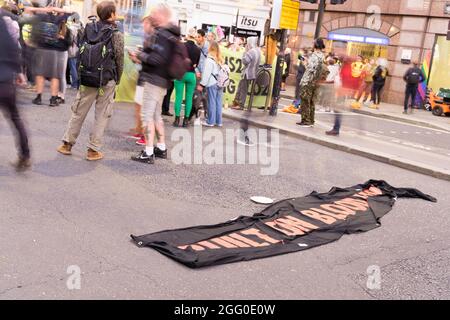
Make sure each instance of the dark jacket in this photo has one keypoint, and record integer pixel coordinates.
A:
(9, 54)
(411, 74)
(194, 54)
(380, 75)
(157, 54)
(300, 72)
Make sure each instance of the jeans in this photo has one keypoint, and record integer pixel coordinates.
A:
(73, 73)
(242, 92)
(411, 91)
(9, 107)
(337, 121)
(376, 92)
(215, 96)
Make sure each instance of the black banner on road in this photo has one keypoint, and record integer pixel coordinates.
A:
(290, 225)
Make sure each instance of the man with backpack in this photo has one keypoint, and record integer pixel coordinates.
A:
(412, 77)
(162, 61)
(101, 66)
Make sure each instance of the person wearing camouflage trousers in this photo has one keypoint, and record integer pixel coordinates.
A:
(309, 84)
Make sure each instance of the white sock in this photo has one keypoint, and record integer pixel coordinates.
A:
(161, 146)
(149, 150)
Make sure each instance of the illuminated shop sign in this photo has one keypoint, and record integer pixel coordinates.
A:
(363, 39)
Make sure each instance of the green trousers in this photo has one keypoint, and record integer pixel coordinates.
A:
(187, 84)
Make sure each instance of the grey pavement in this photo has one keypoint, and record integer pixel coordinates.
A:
(68, 211)
(389, 111)
(421, 149)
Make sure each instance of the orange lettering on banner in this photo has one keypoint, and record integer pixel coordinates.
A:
(315, 215)
(357, 205)
(208, 245)
(194, 247)
(223, 243)
(361, 195)
(303, 225)
(262, 236)
(246, 240)
(285, 228)
(336, 216)
(341, 210)
(375, 191)
(235, 242)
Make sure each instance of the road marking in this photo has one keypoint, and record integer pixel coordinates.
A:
(393, 132)
(405, 132)
(380, 132)
(418, 132)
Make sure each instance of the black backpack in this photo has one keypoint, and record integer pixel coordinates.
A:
(413, 76)
(97, 60)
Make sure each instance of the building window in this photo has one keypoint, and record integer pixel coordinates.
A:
(312, 16)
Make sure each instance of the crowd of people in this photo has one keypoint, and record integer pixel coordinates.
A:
(331, 80)
(60, 48)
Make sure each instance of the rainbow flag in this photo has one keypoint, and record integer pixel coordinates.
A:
(426, 71)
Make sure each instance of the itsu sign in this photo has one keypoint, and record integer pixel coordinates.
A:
(249, 23)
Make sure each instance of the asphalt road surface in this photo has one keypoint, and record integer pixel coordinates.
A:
(69, 212)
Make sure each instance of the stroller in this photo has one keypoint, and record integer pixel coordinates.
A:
(438, 103)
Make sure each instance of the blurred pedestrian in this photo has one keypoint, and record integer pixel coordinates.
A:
(97, 87)
(367, 80)
(379, 80)
(287, 68)
(186, 86)
(156, 59)
(10, 75)
(251, 61)
(49, 34)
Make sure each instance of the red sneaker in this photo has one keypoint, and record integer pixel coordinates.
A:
(141, 141)
(136, 136)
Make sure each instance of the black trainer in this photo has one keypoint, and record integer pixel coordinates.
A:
(37, 100)
(144, 158)
(160, 154)
(60, 100)
(176, 122)
(54, 102)
(166, 113)
(185, 122)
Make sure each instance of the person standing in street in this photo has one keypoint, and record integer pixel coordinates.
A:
(156, 59)
(367, 80)
(413, 77)
(287, 68)
(309, 84)
(188, 83)
(204, 48)
(209, 82)
(251, 61)
(10, 75)
(103, 90)
(379, 80)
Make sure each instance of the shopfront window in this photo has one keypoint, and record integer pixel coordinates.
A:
(440, 70)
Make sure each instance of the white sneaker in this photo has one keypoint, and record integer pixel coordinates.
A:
(246, 142)
(197, 122)
(206, 124)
